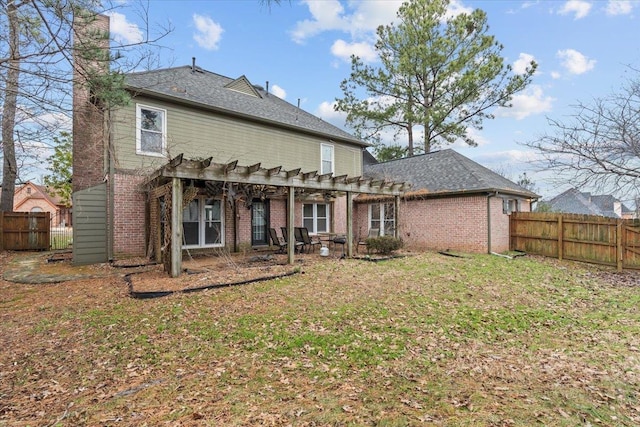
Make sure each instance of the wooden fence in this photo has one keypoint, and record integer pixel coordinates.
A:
(25, 231)
(586, 238)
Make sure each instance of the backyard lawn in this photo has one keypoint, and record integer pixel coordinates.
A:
(422, 340)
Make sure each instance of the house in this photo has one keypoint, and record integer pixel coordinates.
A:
(201, 161)
(30, 197)
(454, 203)
(578, 202)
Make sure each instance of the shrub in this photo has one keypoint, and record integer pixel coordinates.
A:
(383, 244)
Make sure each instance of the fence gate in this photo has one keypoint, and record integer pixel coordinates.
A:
(24, 231)
(631, 245)
(90, 242)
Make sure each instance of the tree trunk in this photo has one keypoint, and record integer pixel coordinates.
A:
(410, 145)
(427, 139)
(10, 168)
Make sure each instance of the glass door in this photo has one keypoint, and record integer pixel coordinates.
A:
(259, 222)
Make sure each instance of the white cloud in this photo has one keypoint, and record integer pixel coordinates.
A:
(326, 112)
(456, 8)
(521, 64)
(279, 92)
(578, 8)
(555, 75)
(330, 15)
(122, 30)
(327, 15)
(524, 104)
(575, 62)
(208, 33)
(619, 7)
(363, 50)
(360, 20)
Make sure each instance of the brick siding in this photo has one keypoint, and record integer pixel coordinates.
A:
(129, 204)
(88, 121)
(456, 223)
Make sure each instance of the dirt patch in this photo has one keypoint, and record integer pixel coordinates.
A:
(207, 272)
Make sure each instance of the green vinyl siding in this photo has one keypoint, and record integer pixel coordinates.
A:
(201, 134)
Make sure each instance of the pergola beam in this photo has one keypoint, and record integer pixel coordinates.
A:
(231, 172)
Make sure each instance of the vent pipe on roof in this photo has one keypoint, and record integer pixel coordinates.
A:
(267, 87)
(193, 64)
(298, 109)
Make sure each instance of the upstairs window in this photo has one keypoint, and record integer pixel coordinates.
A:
(326, 155)
(151, 130)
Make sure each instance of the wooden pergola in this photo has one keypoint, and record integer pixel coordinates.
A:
(168, 179)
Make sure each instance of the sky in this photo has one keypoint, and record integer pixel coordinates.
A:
(584, 50)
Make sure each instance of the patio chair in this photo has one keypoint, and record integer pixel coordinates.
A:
(275, 241)
(308, 242)
(285, 235)
(373, 232)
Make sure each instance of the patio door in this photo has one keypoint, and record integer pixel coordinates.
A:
(260, 222)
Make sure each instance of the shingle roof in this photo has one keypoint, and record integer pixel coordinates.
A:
(445, 172)
(226, 95)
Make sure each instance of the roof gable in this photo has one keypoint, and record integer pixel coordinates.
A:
(38, 192)
(445, 172)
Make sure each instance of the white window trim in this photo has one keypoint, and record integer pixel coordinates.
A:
(322, 159)
(201, 220)
(382, 217)
(315, 216)
(139, 108)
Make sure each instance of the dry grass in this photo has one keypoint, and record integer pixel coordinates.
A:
(421, 340)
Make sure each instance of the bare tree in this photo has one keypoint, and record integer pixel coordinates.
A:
(598, 146)
(36, 75)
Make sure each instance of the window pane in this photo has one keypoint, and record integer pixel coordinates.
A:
(190, 213)
(191, 232)
(322, 225)
(375, 213)
(212, 233)
(326, 167)
(151, 120)
(151, 142)
(307, 210)
(308, 222)
(322, 211)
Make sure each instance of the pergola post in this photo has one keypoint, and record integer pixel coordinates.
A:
(176, 227)
(291, 247)
(396, 207)
(349, 224)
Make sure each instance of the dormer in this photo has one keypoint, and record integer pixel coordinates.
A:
(242, 85)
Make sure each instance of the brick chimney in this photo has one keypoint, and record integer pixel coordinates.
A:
(89, 130)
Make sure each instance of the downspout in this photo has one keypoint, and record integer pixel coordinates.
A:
(489, 196)
(111, 184)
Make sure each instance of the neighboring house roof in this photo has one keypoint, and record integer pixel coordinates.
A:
(445, 172)
(41, 192)
(197, 87)
(577, 202)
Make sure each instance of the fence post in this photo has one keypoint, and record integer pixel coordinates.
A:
(560, 243)
(1, 229)
(619, 252)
